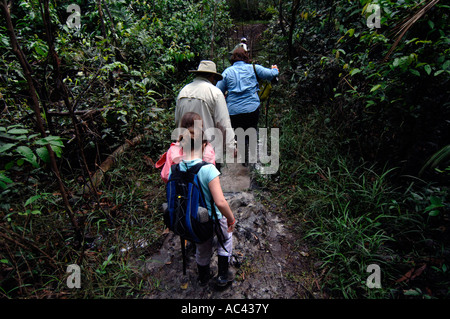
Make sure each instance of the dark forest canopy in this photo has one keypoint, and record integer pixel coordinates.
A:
(362, 105)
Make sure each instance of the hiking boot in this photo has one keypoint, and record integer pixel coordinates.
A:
(204, 274)
(223, 277)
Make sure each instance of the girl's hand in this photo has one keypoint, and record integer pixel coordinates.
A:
(231, 224)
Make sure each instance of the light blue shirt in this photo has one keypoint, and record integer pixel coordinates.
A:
(240, 82)
(205, 175)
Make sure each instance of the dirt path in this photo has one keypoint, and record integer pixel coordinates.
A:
(269, 260)
(266, 261)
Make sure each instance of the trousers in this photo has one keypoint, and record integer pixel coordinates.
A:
(246, 121)
(204, 250)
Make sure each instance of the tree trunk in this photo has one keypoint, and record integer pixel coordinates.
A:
(281, 18)
(102, 22)
(296, 6)
(37, 110)
(61, 86)
(111, 159)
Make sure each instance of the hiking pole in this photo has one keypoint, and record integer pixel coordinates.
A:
(183, 252)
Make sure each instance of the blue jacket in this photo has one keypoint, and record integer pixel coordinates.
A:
(240, 82)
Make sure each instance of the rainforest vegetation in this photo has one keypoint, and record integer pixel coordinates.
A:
(87, 98)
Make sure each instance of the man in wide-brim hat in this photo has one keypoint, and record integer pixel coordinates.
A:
(206, 69)
(203, 97)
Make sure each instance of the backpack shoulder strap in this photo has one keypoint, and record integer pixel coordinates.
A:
(196, 168)
(175, 169)
(256, 74)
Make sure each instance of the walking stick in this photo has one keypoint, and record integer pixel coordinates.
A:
(267, 110)
(183, 253)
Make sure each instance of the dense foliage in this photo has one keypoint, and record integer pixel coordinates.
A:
(366, 109)
(102, 78)
(363, 113)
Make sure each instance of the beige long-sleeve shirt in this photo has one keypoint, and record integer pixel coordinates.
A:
(202, 97)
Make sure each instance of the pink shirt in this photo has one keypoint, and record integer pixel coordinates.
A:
(174, 155)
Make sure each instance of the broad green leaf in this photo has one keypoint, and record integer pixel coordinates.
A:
(57, 150)
(32, 136)
(28, 155)
(427, 69)
(446, 65)
(376, 87)
(396, 62)
(415, 72)
(433, 213)
(370, 103)
(355, 71)
(4, 180)
(17, 131)
(436, 201)
(412, 292)
(6, 147)
(42, 152)
(32, 199)
(52, 140)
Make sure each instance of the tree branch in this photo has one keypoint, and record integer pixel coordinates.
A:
(36, 108)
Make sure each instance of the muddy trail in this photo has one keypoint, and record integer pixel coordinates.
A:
(270, 260)
(267, 261)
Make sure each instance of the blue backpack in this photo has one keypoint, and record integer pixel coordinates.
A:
(187, 212)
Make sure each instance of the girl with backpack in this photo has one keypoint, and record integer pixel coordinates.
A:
(193, 145)
(175, 152)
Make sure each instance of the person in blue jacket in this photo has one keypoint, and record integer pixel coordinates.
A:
(240, 86)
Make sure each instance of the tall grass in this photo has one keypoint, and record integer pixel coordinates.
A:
(347, 224)
(349, 211)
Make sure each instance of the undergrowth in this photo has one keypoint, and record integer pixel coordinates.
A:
(354, 214)
(118, 226)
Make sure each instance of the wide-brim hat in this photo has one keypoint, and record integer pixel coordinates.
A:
(206, 66)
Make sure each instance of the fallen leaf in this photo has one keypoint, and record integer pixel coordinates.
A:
(412, 273)
(419, 271)
(406, 276)
(304, 254)
(184, 285)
